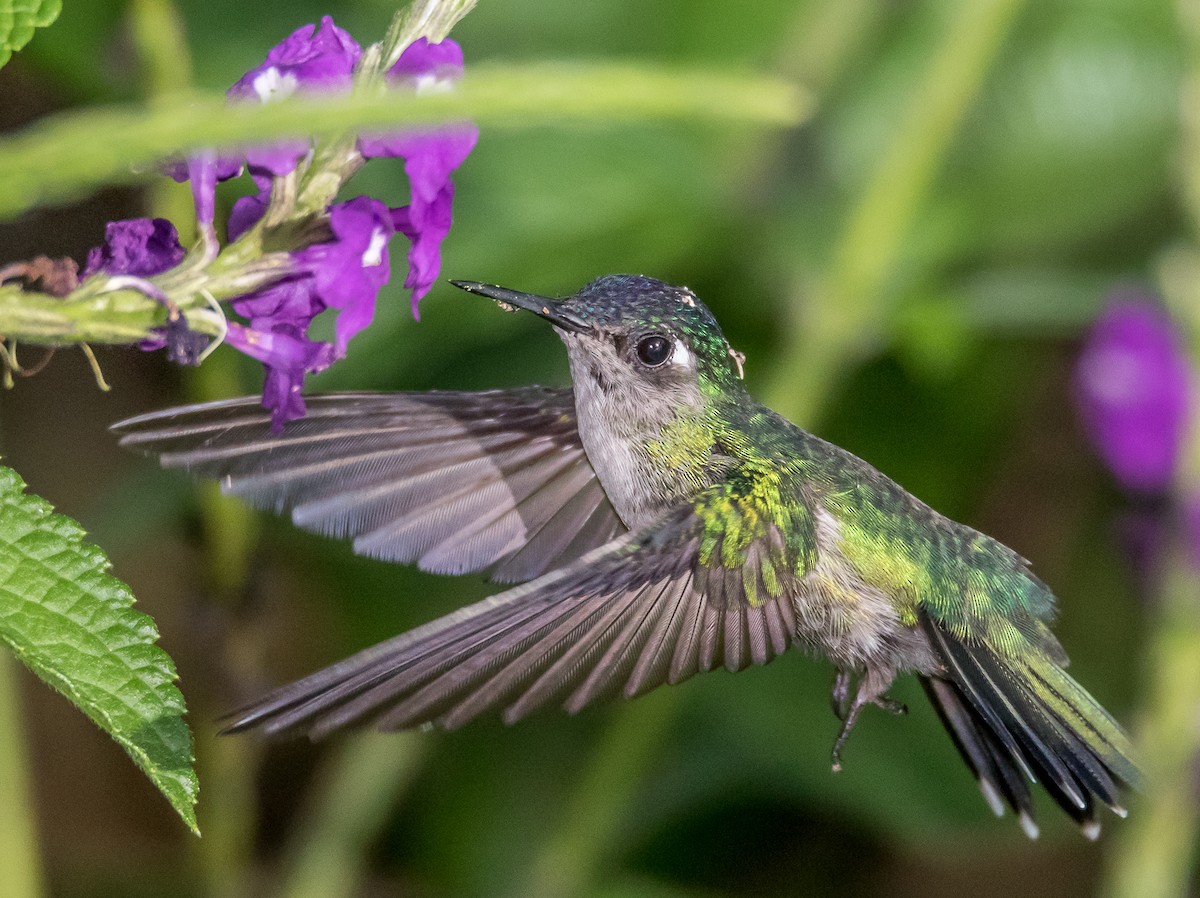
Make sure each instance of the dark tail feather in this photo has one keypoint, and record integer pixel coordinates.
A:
(1018, 719)
(1001, 778)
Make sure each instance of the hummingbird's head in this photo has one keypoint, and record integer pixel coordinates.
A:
(654, 384)
(636, 336)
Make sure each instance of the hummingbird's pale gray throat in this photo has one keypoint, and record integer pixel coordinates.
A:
(657, 522)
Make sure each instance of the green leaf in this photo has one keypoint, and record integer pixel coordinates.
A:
(74, 626)
(65, 154)
(18, 19)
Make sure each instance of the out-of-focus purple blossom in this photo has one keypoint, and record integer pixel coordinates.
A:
(204, 169)
(142, 247)
(430, 156)
(1134, 390)
(425, 68)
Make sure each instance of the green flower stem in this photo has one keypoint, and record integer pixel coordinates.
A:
(841, 319)
(1156, 848)
(432, 19)
(355, 796)
(18, 840)
(574, 856)
(123, 316)
(228, 766)
(63, 155)
(94, 314)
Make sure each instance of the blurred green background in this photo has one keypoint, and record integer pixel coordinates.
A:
(909, 274)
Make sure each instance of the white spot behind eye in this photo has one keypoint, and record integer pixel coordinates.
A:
(682, 355)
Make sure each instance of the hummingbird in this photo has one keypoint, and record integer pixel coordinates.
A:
(656, 522)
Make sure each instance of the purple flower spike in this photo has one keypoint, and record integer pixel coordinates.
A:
(142, 247)
(430, 156)
(1134, 389)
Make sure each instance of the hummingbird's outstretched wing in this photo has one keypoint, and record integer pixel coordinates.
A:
(697, 590)
(455, 482)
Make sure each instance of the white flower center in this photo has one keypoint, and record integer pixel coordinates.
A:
(373, 254)
(430, 83)
(272, 84)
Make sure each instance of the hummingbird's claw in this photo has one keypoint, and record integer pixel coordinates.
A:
(848, 708)
(840, 695)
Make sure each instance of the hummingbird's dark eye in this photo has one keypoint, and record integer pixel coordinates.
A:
(654, 350)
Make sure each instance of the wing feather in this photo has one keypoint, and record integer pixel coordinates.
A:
(623, 619)
(454, 482)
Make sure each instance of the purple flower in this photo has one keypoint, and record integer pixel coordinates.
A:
(247, 210)
(142, 247)
(288, 355)
(312, 59)
(430, 155)
(204, 169)
(1134, 390)
(316, 57)
(344, 273)
(349, 270)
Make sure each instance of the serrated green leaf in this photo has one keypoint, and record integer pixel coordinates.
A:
(73, 624)
(19, 19)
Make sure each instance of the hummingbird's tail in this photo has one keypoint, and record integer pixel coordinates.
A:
(1025, 720)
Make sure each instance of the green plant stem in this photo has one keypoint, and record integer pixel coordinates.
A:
(228, 766)
(840, 319)
(572, 858)
(18, 840)
(123, 316)
(62, 155)
(1156, 849)
(357, 791)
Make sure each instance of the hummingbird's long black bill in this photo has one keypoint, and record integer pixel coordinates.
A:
(542, 306)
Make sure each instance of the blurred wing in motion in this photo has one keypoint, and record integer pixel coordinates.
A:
(629, 616)
(455, 482)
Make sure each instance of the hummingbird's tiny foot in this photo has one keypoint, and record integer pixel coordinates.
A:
(844, 733)
(891, 705)
(840, 695)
